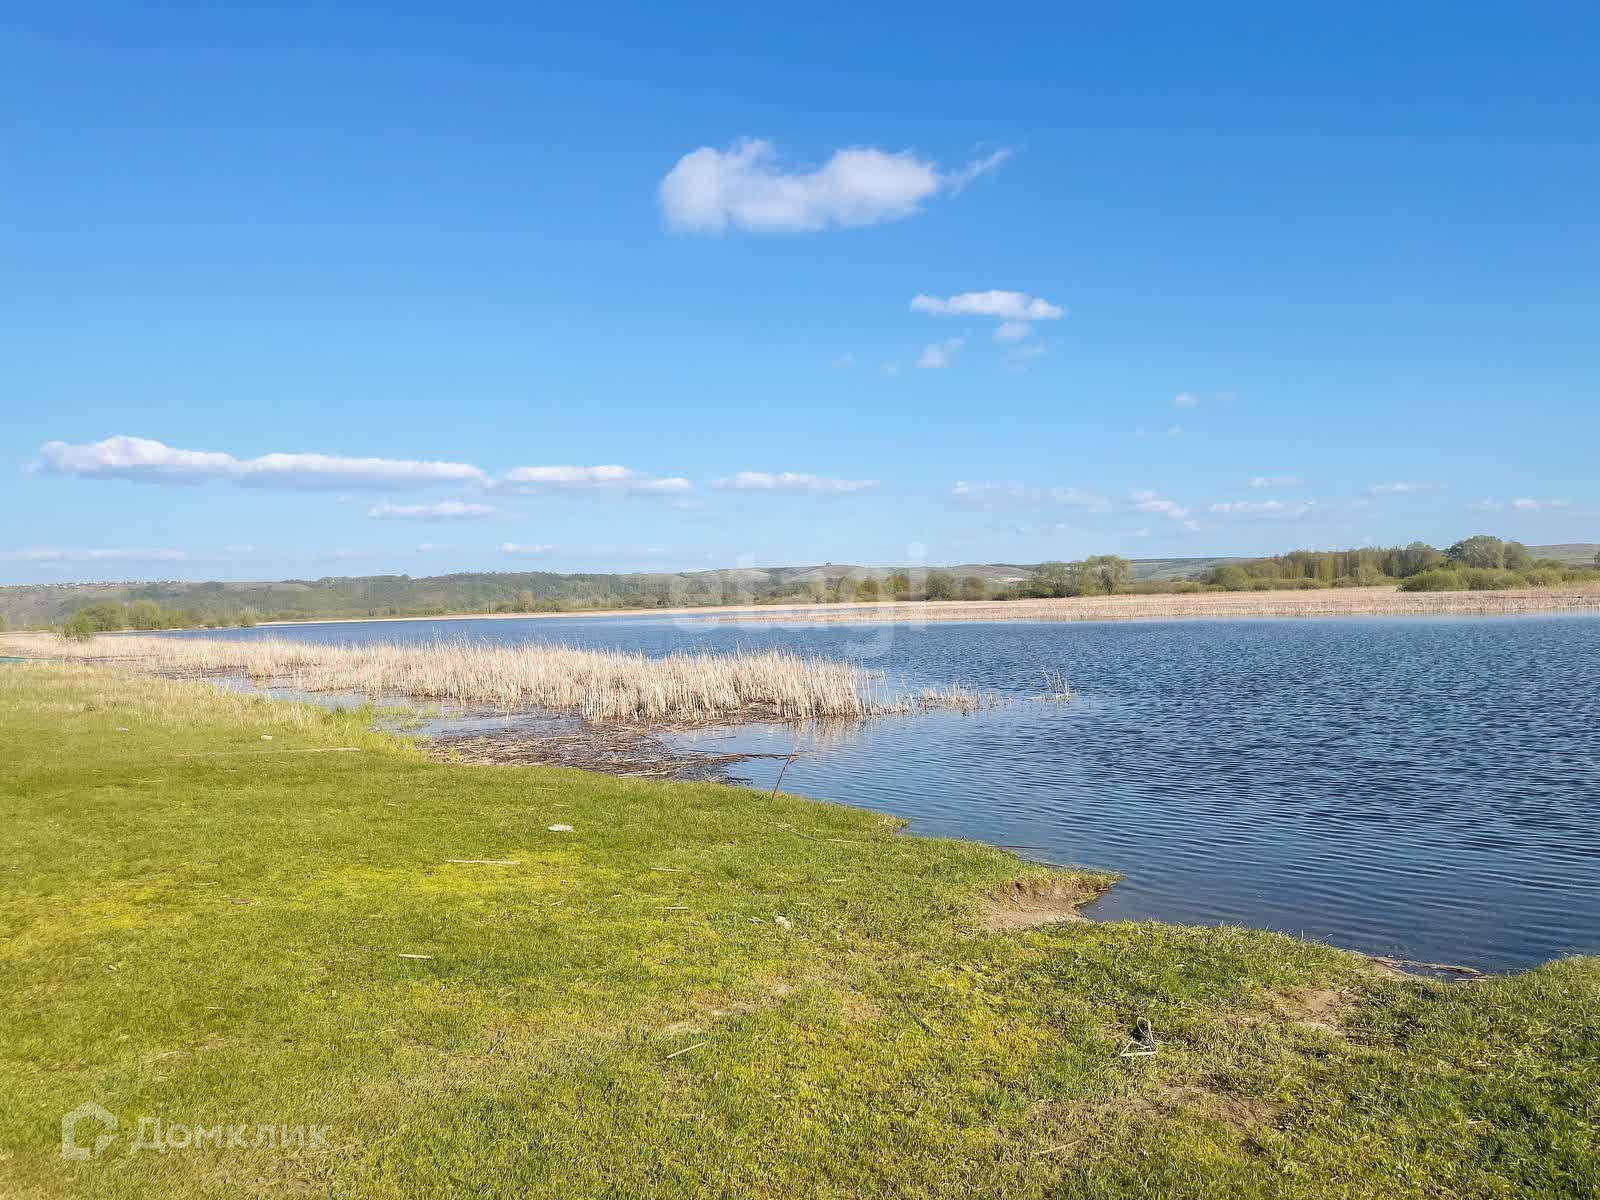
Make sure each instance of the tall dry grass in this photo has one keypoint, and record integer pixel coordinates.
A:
(600, 685)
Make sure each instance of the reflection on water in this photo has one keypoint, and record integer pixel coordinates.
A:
(1420, 787)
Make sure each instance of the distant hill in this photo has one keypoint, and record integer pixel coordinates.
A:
(27, 605)
(1576, 554)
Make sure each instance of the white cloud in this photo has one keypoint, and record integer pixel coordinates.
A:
(593, 479)
(995, 495)
(791, 481)
(1275, 481)
(1521, 504)
(434, 547)
(1008, 306)
(149, 461)
(63, 554)
(1265, 508)
(1186, 399)
(524, 548)
(1012, 331)
(1398, 489)
(1149, 502)
(745, 187)
(938, 355)
(1017, 359)
(449, 510)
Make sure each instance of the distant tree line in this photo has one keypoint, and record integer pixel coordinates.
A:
(1479, 562)
(146, 614)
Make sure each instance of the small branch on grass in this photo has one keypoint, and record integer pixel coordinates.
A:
(685, 1050)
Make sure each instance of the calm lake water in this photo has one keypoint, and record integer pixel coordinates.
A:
(1422, 787)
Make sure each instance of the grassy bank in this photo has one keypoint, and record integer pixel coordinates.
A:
(695, 992)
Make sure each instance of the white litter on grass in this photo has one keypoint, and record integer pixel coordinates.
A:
(784, 922)
(266, 737)
(562, 829)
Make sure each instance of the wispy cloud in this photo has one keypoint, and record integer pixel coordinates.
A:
(1001, 495)
(1149, 502)
(1008, 306)
(448, 510)
(1275, 481)
(67, 554)
(148, 461)
(1267, 508)
(1195, 399)
(938, 355)
(747, 188)
(1401, 488)
(593, 479)
(1522, 504)
(1018, 358)
(526, 548)
(791, 481)
(1015, 310)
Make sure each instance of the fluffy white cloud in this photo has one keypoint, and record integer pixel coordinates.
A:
(525, 548)
(593, 479)
(938, 355)
(149, 461)
(43, 554)
(745, 187)
(791, 481)
(449, 510)
(1275, 481)
(1007, 306)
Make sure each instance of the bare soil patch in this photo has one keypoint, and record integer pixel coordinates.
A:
(1029, 904)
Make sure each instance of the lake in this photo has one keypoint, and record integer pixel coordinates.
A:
(1427, 788)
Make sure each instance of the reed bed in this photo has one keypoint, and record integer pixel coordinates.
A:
(604, 686)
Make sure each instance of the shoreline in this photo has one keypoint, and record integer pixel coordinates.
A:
(1319, 602)
(541, 970)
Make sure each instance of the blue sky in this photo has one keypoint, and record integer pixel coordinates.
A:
(335, 289)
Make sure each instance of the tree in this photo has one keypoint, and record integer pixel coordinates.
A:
(1105, 573)
(867, 589)
(973, 588)
(940, 585)
(1053, 579)
(900, 585)
(1517, 557)
(1478, 551)
(1419, 557)
(1232, 577)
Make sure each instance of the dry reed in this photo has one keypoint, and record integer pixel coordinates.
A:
(608, 686)
(1321, 602)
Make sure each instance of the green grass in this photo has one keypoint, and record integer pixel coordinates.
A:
(214, 939)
